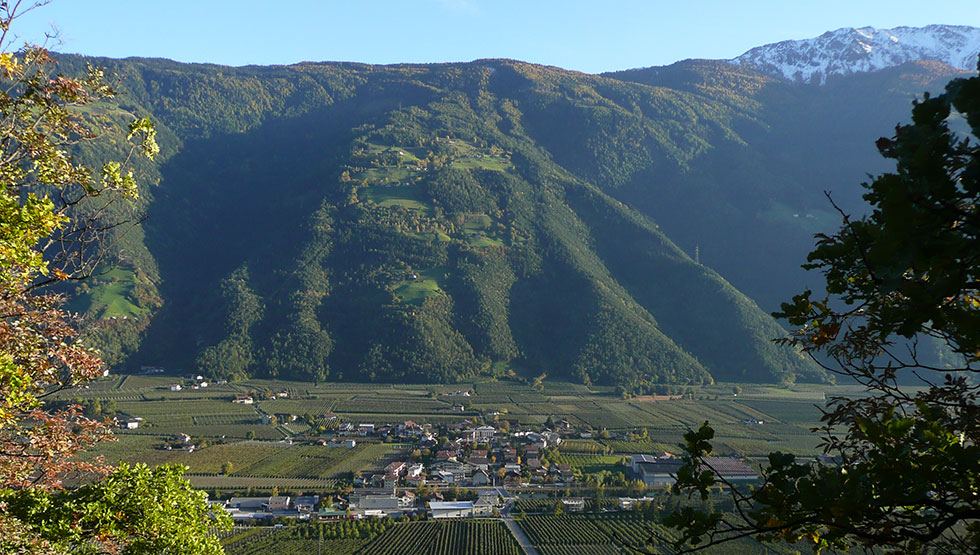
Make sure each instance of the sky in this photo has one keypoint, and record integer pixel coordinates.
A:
(590, 36)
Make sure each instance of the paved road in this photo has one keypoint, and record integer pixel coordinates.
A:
(519, 535)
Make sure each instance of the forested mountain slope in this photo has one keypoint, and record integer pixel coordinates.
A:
(423, 222)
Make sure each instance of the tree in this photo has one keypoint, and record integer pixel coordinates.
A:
(907, 273)
(55, 215)
(135, 509)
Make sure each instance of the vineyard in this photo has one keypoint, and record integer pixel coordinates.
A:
(340, 538)
(589, 534)
(208, 415)
(445, 537)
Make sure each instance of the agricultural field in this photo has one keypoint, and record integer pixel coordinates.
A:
(445, 537)
(340, 538)
(615, 533)
(588, 534)
(591, 464)
(377, 537)
(758, 420)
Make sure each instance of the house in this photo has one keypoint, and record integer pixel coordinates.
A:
(365, 429)
(484, 434)
(243, 399)
(414, 470)
(406, 500)
(565, 470)
(483, 506)
(306, 504)
(396, 468)
(183, 438)
(543, 440)
(451, 509)
(512, 467)
(132, 423)
(350, 443)
(573, 504)
(458, 408)
(390, 481)
(277, 503)
(445, 455)
(533, 464)
(175, 387)
(480, 478)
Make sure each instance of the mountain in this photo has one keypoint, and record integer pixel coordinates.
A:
(854, 50)
(435, 222)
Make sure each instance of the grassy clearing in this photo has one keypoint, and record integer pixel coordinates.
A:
(407, 197)
(108, 296)
(415, 291)
(483, 162)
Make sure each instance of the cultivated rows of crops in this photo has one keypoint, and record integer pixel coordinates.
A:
(614, 529)
(483, 537)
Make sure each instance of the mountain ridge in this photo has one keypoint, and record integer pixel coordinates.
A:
(432, 222)
(850, 50)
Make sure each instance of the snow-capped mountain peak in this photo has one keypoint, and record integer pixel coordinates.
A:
(849, 50)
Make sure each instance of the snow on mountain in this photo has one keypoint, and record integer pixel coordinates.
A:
(851, 50)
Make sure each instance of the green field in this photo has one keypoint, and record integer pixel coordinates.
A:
(108, 296)
(209, 417)
(427, 284)
(483, 162)
(405, 196)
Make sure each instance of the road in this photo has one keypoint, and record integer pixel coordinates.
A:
(519, 535)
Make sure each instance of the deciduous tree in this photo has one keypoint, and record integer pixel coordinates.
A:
(52, 219)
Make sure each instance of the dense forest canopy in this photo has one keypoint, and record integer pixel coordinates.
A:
(432, 222)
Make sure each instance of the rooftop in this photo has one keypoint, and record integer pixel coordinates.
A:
(450, 505)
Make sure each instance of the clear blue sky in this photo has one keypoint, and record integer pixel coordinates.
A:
(591, 36)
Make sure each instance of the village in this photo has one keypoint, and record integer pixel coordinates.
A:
(467, 470)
